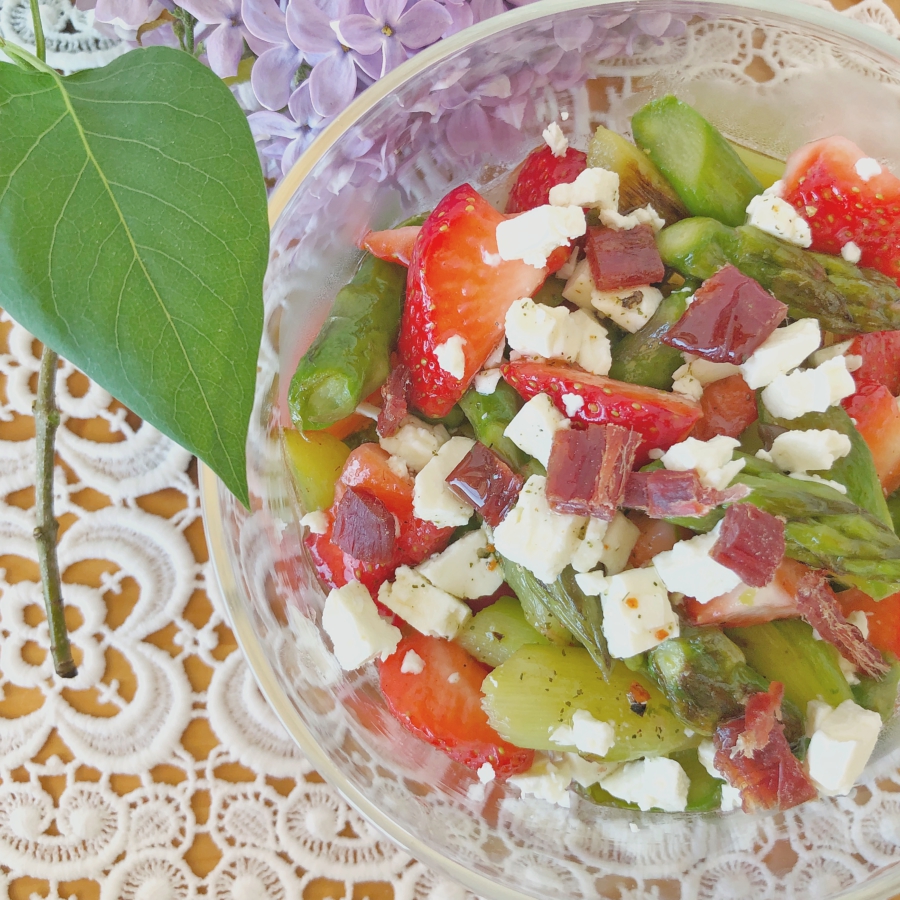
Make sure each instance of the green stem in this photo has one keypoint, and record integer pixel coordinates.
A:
(40, 47)
(46, 421)
(21, 56)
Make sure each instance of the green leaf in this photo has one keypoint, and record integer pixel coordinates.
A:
(134, 239)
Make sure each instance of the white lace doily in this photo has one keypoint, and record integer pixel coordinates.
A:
(159, 771)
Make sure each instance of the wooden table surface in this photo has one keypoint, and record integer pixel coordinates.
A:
(198, 739)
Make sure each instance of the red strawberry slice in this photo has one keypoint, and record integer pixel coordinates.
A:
(458, 287)
(822, 184)
(877, 418)
(442, 705)
(880, 352)
(540, 172)
(393, 245)
(661, 418)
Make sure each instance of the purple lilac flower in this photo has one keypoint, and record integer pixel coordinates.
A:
(273, 73)
(387, 33)
(127, 14)
(225, 43)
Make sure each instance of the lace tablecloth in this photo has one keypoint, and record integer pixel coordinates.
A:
(158, 772)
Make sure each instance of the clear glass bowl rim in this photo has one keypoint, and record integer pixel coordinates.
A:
(880, 888)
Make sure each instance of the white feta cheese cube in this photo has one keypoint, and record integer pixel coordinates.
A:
(840, 747)
(777, 217)
(809, 390)
(536, 329)
(711, 459)
(689, 569)
(465, 569)
(316, 522)
(704, 371)
(572, 403)
(358, 634)
(580, 286)
(867, 168)
(594, 187)
(706, 753)
(731, 798)
(606, 543)
(533, 426)
(784, 349)
(594, 350)
(555, 139)
(398, 467)
(536, 537)
(451, 356)
(591, 735)
(803, 476)
(637, 614)
(655, 783)
(813, 449)
(486, 381)
(486, 773)
(644, 215)
(683, 382)
(415, 442)
(545, 780)
(860, 620)
(851, 252)
(533, 235)
(426, 607)
(585, 772)
(412, 664)
(564, 272)
(848, 670)
(630, 308)
(433, 500)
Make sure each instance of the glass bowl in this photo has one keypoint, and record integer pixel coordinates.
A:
(772, 74)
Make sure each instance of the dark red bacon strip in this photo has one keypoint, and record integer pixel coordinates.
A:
(819, 606)
(730, 316)
(588, 469)
(623, 259)
(395, 394)
(755, 757)
(487, 482)
(750, 543)
(364, 527)
(662, 494)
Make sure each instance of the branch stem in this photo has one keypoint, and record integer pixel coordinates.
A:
(46, 421)
(40, 46)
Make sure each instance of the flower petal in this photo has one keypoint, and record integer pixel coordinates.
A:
(266, 125)
(422, 24)
(394, 55)
(385, 12)
(487, 9)
(570, 34)
(309, 28)
(362, 33)
(212, 12)
(224, 48)
(263, 19)
(461, 17)
(272, 73)
(332, 84)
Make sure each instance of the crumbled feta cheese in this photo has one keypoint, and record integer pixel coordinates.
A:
(564, 272)
(533, 235)
(536, 537)
(731, 798)
(412, 664)
(486, 773)
(398, 467)
(433, 500)
(867, 168)
(630, 308)
(369, 410)
(594, 187)
(415, 442)
(696, 373)
(572, 403)
(644, 215)
(784, 349)
(316, 522)
(350, 618)
(684, 383)
(465, 569)
(803, 476)
(840, 747)
(533, 426)
(564, 115)
(555, 139)
(606, 543)
(825, 353)
(580, 286)
(848, 670)
(496, 357)
(549, 779)
(591, 735)
(860, 620)
(777, 217)
(594, 350)
(486, 381)
(689, 569)
(706, 753)
(809, 390)
(637, 614)
(813, 449)
(711, 459)
(451, 356)
(453, 678)
(426, 607)
(583, 771)
(536, 329)
(776, 189)
(655, 783)
(851, 252)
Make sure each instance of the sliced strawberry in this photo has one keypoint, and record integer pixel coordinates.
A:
(540, 172)
(822, 184)
(880, 352)
(394, 244)
(661, 418)
(874, 410)
(444, 709)
(457, 287)
(729, 406)
(883, 617)
(366, 468)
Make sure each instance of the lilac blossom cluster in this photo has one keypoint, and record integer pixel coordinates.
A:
(310, 58)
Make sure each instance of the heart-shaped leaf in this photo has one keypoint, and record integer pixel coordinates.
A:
(133, 240)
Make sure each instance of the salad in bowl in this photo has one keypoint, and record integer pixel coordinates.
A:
(599, 470)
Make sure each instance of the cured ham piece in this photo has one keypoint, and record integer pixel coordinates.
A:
(730, 316)
(750, 543)
(754, 756)
(487, 482)
(623, 259)
(588, 470)
(662, 494)
(364, 527)
(395, 394)
(818, 604)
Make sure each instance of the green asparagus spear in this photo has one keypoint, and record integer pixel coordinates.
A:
(350, 356)
(550, 292)
(879, 694)
(642, 358)
(494, 634)
(640, 182)
(702, 167)
(489, 414)
(893, 505)
(532, 594)
(843, 297)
